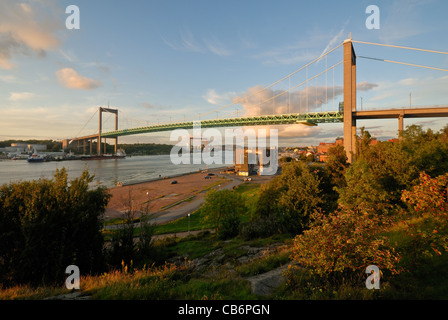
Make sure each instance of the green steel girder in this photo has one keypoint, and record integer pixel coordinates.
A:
(310, 119)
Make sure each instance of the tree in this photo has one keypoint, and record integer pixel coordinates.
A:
(363, 143)
(362, 189)
(342, 244)
(287, 201)
(48, 224)
(428, 150)
(392, 167)
(428, 201)
(300, 197)
(336, 165)
(224, 209)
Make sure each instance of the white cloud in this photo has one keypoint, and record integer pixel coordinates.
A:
(190, 43)
(218, 99)
(365, 86)
(26, 29)
(215, 46)
(257, 101)
(304, 50)
(71, 79)
(21, 96)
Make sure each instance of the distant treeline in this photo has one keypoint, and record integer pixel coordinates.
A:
(51, 144)
(130, 149)
(146, 149)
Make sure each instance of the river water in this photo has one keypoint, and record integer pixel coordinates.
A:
(107, 172)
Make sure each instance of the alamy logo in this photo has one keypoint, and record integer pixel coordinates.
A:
(238, 147)
(72, 281)
(373, 21)
(73, 20)
(373, 280)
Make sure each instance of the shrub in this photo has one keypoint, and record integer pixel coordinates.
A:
(132, 242)
(362, 189)
(224, 209)
(343, 244)
(46, 225)
(428, 201)
(289, 200)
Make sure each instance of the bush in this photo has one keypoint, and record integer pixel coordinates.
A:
(342, 245)
(289, 200)
(428, 201)
(131, 244)
(260, 228)
(46, 225)
(224, 209)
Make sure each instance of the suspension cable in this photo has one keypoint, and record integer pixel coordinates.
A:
(404, 63)
(300, 84)
(400, 47)
(77, 135)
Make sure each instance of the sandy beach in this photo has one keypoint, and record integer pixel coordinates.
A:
(159, 195)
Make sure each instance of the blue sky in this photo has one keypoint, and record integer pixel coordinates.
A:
(161, 61)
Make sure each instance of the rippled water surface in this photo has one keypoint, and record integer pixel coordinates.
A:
(107, 172)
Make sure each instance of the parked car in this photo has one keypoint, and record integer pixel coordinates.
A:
(207, 177)
(174, 182)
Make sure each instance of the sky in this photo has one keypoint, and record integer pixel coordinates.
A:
(176, 60)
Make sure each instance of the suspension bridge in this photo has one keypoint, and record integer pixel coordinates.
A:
(282, 100)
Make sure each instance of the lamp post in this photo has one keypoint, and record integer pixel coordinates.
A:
(188, 223)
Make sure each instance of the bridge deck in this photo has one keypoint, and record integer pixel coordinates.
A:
(405, 113)
(310, 119)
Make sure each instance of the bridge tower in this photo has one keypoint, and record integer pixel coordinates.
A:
(101, 110)
(349, 99)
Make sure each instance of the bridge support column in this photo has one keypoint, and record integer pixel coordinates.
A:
(116, 128)
(98, 147)
(349, 99)
(400, 126)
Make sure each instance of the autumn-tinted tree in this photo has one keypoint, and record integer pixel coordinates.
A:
(336, 165)
(342, 244)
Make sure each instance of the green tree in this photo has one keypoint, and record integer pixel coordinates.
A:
(336, 165)
(363, 142)
(392, 167)
(224, 209)
(48, 224)
(287, 201)
(362, 189)
(428, 150)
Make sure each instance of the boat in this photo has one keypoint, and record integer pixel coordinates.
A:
(35, 158)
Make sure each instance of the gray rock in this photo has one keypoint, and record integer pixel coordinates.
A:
(263, 284)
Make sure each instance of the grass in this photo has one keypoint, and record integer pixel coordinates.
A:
(169, 281)
(194, 222)
(196, 219)
(426, 277)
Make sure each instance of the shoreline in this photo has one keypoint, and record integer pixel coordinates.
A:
(164, 177)
(159, 195)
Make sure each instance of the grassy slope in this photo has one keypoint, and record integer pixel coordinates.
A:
(426, 278)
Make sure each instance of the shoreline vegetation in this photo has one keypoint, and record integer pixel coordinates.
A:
(311, 230)
(131, 149)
